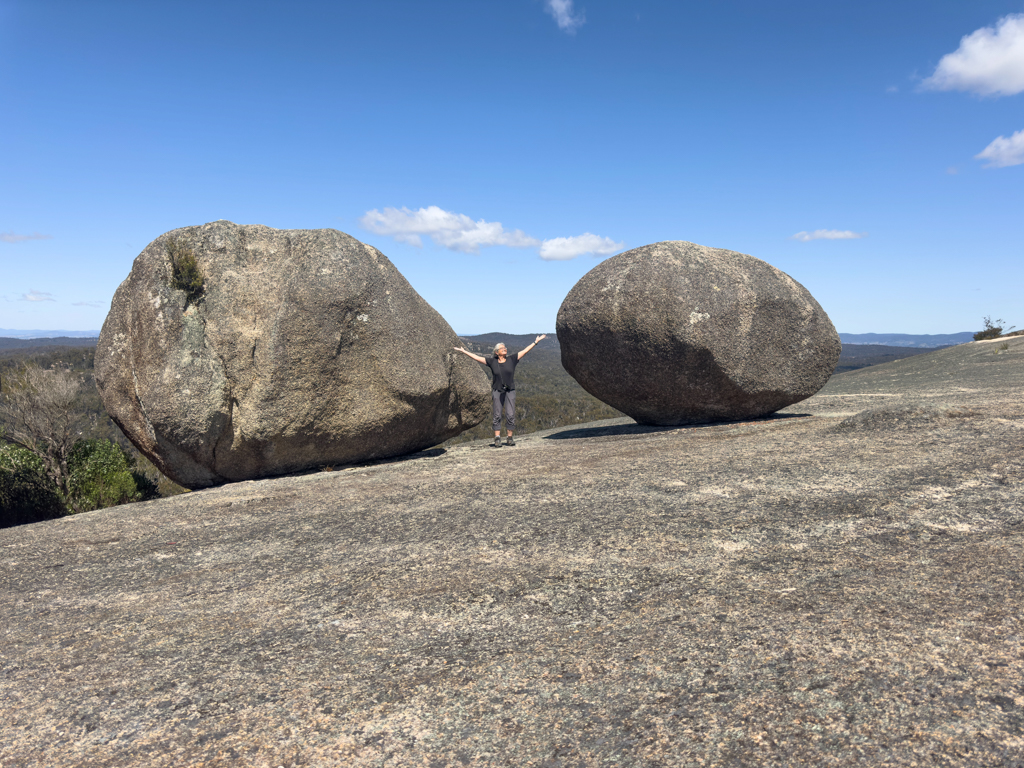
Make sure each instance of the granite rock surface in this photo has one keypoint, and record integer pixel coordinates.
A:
(307, 348)
(677, 333)
(777, 592)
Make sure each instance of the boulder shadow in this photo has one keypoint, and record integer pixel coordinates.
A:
(632, 428)
(426, 453)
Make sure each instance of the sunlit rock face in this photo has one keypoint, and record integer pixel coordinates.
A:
(678, 333)
(305, 349)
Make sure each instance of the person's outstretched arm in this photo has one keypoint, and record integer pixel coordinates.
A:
(467, 353)
(535, 342)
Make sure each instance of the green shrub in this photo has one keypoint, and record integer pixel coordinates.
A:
(27, 495)
(103, 474)
(185, 273)
(993, 330)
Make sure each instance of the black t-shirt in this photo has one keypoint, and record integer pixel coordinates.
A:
(503, 373)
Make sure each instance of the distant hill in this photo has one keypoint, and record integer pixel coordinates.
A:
(56, 341)
(852, 358)
(904, 340)
(856, 356)
(16, 334)
(926, 340)
(930, 341)
(514, 342)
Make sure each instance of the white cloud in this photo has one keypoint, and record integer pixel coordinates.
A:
(828, 234)
(454, 231)
(989, 61)
(561, 248)
(11, 237)
(1003, 152)
(562, 12)
(458, 232)
(37, 296)
(95, 304)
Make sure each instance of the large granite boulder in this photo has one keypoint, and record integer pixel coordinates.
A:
(304, 349)
(677, 333)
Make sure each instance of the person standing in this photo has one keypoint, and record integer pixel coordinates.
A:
(503, 385)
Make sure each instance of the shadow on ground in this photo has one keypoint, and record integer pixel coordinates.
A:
(625, 426)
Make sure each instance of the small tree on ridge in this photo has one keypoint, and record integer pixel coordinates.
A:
(993, 330)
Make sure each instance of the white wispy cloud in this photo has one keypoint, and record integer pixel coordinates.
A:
(562, 11)
(459, 232)
(989, 61)
(562, 248)
(1004, 152)
(13, 237)
(454, 231)
(37, 296)
(828, 234)
(94, 304)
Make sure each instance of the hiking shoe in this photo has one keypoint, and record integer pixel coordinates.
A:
(497, 442)
(509, 440)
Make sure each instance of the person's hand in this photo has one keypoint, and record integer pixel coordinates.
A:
(539, 338)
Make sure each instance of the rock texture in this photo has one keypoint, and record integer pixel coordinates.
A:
(677, 333)
(307, 349)
(768, 593)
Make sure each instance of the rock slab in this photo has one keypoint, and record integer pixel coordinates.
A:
(306, 349)
(767, 593)
(677, 333)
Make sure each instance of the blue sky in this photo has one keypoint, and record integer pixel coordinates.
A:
(496, 150)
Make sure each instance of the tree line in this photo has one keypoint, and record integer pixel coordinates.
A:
(59, 451)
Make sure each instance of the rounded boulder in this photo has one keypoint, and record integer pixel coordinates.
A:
(289, 350)
(677, 333)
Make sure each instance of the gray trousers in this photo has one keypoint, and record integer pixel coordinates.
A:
(506, 400)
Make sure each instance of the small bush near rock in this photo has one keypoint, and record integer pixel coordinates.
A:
(27, 495)
(186, 275)
(103, 474)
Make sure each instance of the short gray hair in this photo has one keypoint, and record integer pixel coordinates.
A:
(496, 346)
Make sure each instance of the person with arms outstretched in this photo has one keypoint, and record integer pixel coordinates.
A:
(503, 385)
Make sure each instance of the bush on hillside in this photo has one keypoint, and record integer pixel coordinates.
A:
(40, 412)
(103, 474)
(993, 330)
(27, 495)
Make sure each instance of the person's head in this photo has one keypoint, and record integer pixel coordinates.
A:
(500, 350)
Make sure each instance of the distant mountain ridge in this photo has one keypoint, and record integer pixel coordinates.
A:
(927, 340)
(7, 343)
(905, 340)
(515, 341)
(11, 333)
